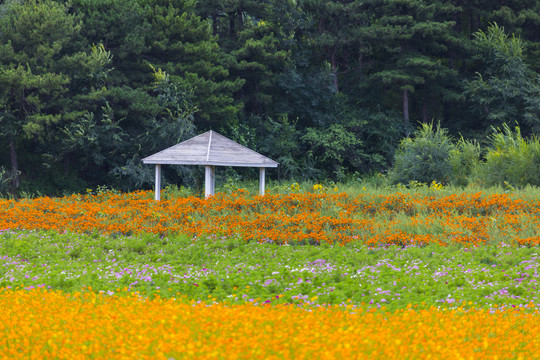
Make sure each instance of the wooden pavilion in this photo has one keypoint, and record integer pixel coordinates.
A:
(209, 149)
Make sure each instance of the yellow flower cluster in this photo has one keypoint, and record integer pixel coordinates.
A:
(295, 187)
(318, 188)
(39, 324)
(321, 189)
(436, 186)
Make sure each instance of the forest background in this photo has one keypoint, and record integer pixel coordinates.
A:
(329, 89)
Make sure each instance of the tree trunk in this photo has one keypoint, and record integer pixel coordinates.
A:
(406, 107)
(214, 24)
(232, 25)
(15, 179)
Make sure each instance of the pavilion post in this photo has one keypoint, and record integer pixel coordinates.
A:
(213, 180)
(158, 182)
(209, 180)
(261, 181)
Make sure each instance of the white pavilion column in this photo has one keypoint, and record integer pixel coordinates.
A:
(213, 180)
(158, 182)
(261, 180)
(209, 180)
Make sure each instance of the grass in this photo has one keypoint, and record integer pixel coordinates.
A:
(233, 271)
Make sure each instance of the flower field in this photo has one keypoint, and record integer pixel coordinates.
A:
(86, 325)
(372, 220)
(303, 275)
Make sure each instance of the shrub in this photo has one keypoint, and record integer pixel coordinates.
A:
(423, 158)
(336, 148)
(511, 159)
(464, 160)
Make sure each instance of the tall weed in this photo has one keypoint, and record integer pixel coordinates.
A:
(464, 160)
(511, 160)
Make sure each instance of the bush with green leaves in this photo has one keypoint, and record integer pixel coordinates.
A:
(335, 148)
(423, 158)
(280, 143)
(511, 159)
(464, 160)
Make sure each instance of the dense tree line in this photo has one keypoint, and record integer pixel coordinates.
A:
(326, 88)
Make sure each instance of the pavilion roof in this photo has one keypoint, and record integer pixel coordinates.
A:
(210, 148)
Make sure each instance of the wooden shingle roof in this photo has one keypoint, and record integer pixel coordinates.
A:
(211, 149)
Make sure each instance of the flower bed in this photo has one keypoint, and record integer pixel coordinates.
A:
(92, 326)
(310, 275)
(401, 219)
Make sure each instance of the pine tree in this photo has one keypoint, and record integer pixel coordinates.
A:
(336, 35)
(411, 41)
(257, 36)
(37, 67)
(522, 18)
(182, 44)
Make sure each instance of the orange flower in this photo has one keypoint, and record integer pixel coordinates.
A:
(400, 219)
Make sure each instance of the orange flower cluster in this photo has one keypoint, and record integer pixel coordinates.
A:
(401, 219)
(41, 324)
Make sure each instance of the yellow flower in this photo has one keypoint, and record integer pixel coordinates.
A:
(88, 325)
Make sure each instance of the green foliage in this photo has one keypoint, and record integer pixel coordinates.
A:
(464, 160)
(521, 18)
(281, 144)
(410, 39)
(182, 44)
(333, 148)
(33, 39)
(253, 37)
(511, 160)
(423, 158)
(506, 90)
(336, 32)
(306, 95)
(380, 135)
(40, 73)
(327, 88)
(173, 123)
(56, 181)
(173, 191)
(4, 180)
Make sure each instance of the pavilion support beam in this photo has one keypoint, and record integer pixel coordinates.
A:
(213, 180)
(261, 181)
(158, 182)
(209, 180)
